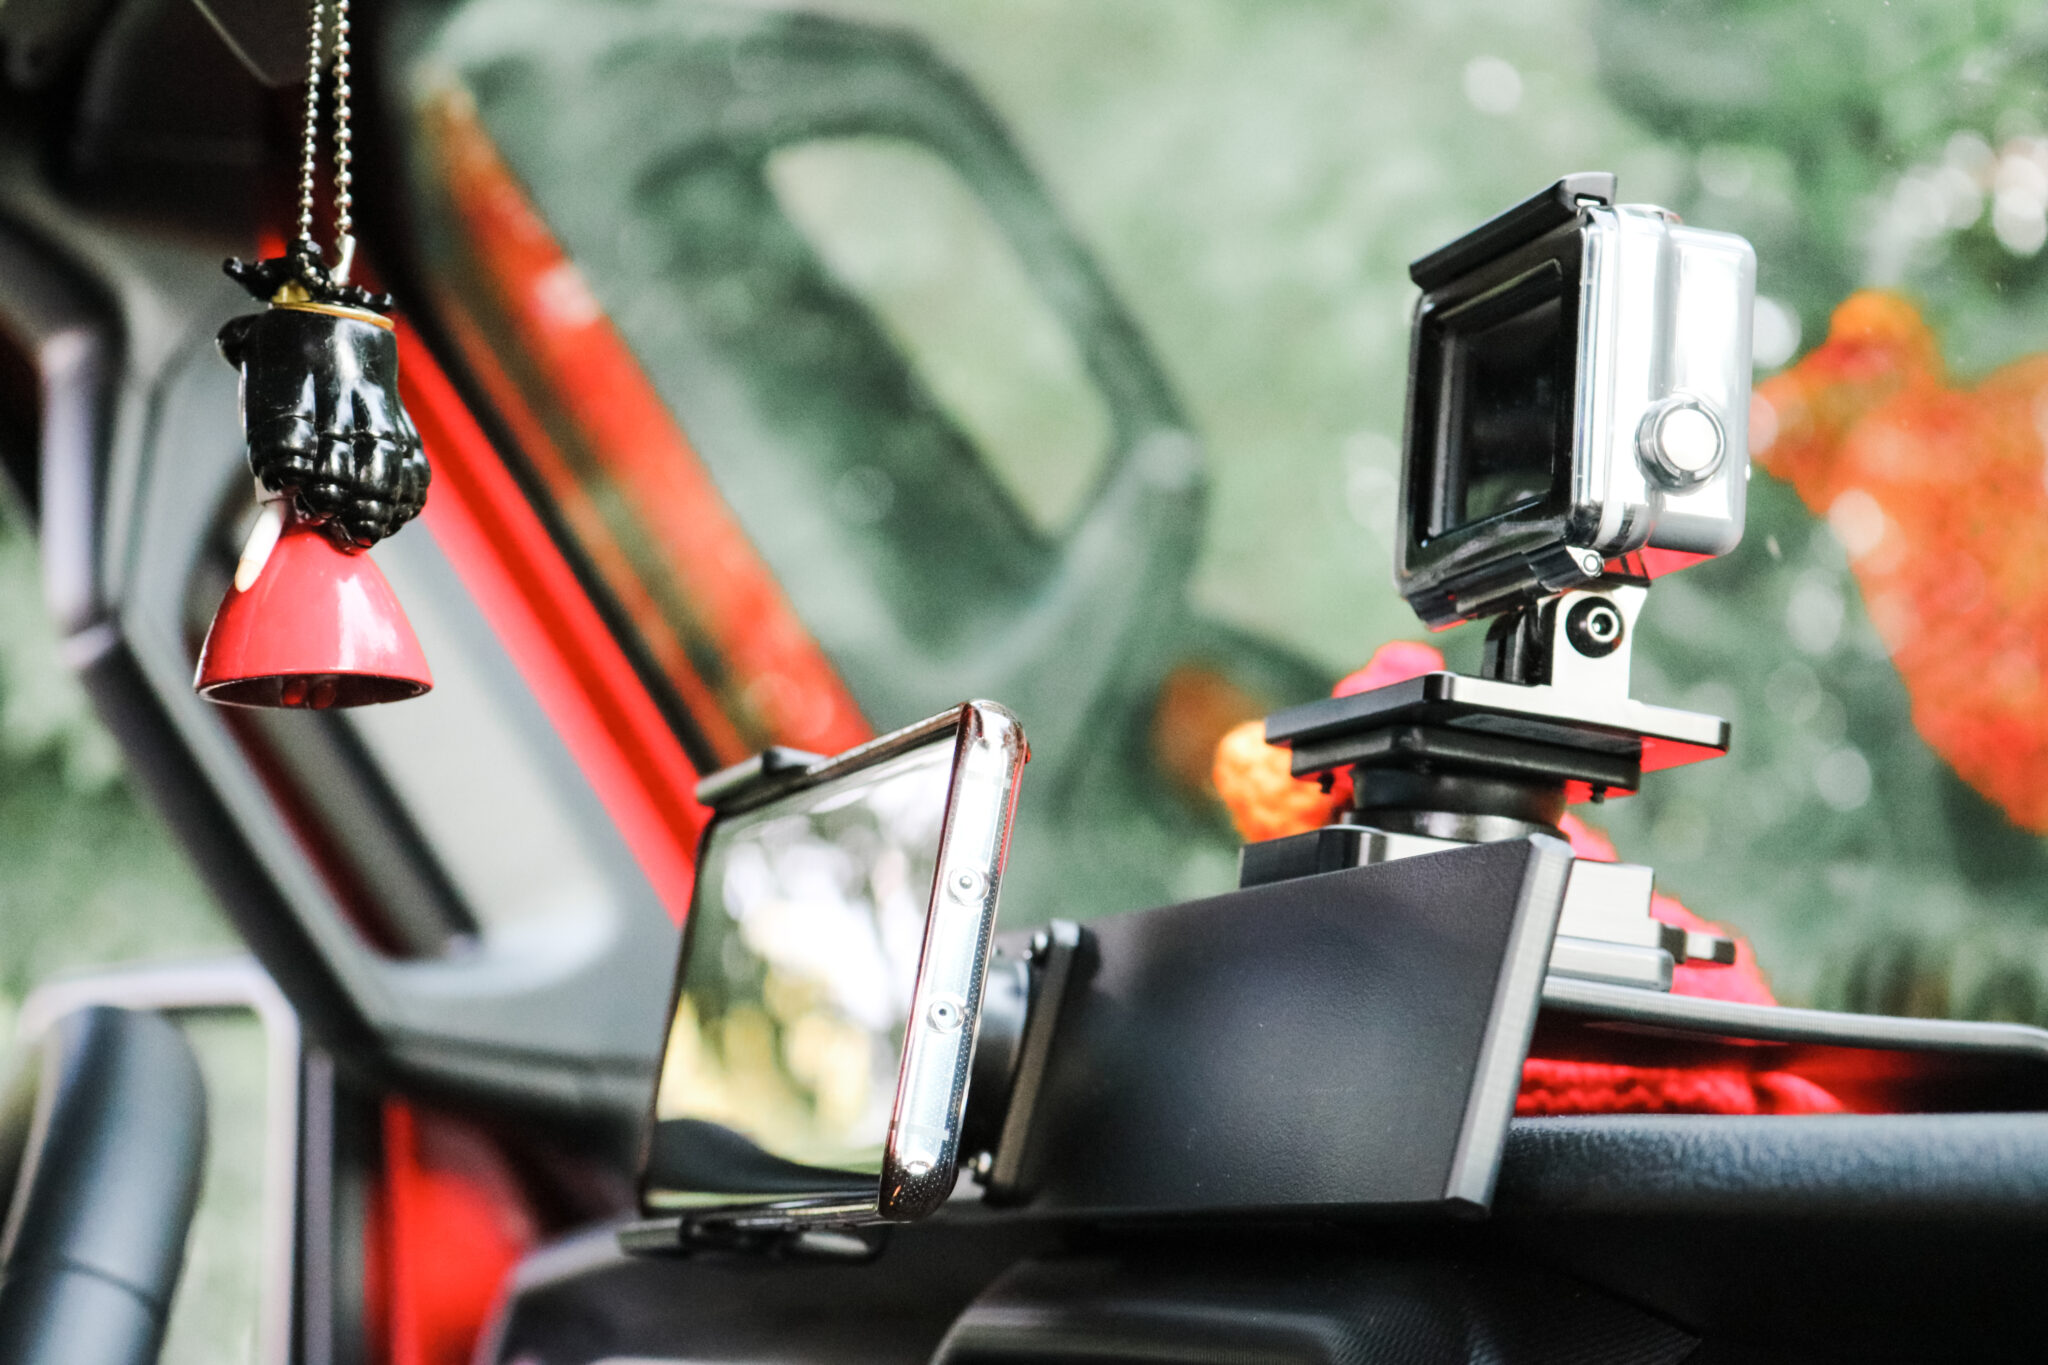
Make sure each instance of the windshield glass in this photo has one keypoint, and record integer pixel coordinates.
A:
(912, 351)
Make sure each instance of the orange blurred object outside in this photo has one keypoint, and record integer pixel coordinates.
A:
(1937, 494)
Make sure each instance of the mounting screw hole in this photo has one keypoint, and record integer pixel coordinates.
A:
(1594, 628)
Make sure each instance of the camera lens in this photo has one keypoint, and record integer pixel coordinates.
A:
(1497, 377)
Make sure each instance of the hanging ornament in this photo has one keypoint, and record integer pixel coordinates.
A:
(309, 620)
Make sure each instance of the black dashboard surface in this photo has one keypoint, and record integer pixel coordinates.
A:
(1613, 1239)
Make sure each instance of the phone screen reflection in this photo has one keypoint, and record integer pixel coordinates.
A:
(780, 1070)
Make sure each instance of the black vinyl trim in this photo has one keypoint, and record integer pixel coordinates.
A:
(230, 866)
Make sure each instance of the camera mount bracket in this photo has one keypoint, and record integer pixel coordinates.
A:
(1552, 705)
(1442, 760)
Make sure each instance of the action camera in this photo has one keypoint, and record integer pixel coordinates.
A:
(1578, 402)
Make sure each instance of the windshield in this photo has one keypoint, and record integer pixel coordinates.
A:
(920, 351)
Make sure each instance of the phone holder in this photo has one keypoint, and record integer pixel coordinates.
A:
(1348, 1044)
(1242, 1055)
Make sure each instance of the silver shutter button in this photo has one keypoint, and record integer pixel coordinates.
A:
(1681, 442)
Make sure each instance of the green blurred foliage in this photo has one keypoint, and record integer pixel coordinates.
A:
(1855, 146)
(1256, 177)
(214, 1316)
(1803, 120)
(87, 873)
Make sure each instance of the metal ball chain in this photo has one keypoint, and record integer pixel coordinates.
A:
(344, 201)
(309, 153)
(344, 151)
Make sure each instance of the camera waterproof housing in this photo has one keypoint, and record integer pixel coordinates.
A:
(1578, 414)
(1578, 402)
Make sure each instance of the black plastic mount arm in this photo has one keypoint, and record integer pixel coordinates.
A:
(1344, 1043)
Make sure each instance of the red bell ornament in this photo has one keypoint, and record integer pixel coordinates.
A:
(310, 621)
(308, 625)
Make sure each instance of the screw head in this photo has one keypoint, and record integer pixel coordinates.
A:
(1594, 627)
(966, 885)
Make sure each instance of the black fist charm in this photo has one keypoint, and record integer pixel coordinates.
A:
(321, 411)
(320, 404)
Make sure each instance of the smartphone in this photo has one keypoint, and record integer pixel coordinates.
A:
(829, 988)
